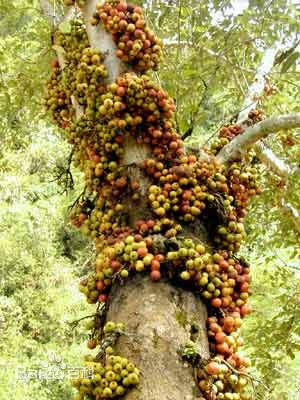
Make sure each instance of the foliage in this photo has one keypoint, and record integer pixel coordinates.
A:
(38, 270)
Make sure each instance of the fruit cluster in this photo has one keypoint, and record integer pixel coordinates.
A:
(56, 100)
(256, 115)
(136, 43)
(108, 380)
(80, 3)
(184, 191)
(137, 104)
(221, 382)
(221, 280)
(230, 131)
(106, 375)
(225, 135)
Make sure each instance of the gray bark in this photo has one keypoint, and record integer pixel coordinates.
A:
(255, 90)
(158, 318)
(241, 143)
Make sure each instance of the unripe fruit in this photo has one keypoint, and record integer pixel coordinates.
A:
(185, 275)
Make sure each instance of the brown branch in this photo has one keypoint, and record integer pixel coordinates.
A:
(81, 195)
(251, 378)
(74, 323)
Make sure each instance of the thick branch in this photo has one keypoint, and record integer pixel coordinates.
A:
(238, 146)
(265, 155)
(102, 40)
(257, 87)
(159, 318)
(155, 332)
(47, 10)
(51, 12)
(274, 163)
(134, 154)
(289, 209)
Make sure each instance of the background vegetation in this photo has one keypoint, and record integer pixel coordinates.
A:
(212, 50)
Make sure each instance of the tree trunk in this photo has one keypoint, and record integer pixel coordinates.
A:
(160, 319)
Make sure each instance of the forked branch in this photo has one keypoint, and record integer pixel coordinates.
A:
(236, 149)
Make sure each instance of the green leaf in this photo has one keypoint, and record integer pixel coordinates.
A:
(289, 62)
(65, 27)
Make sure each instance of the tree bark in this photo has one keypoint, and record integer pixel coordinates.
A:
(158, 316)
(102, 40)
(257, 87)
(241, 143)
(159, 321)
(264, 154)
(274, 163)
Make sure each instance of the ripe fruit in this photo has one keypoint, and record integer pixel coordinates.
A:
(213, 368)
(155, 275)
(216, 302)
(92, 343)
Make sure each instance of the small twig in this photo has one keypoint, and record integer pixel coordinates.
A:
(107, 340)
(286, 264)
(189, 131)
(251, 378)
(74, 323)
(77, 199)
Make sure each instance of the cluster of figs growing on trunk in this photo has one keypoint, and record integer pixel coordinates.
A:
(180, 190)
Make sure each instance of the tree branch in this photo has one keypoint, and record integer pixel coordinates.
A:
(265, 155)
(51, 12)
(47, 10)
(224, 58)
(240, 144)
(102, 40)
(295, 214)
(274, 163)
(258, 84)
